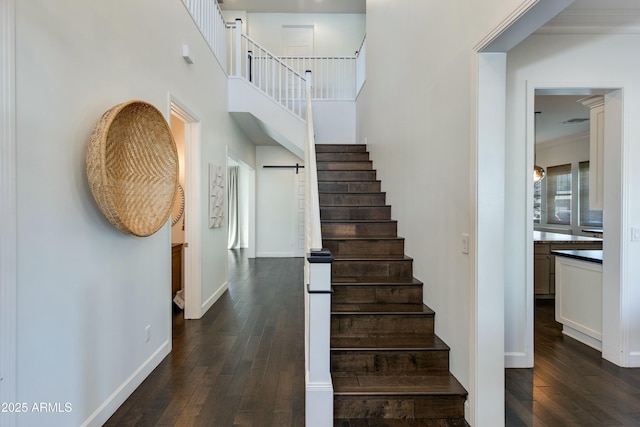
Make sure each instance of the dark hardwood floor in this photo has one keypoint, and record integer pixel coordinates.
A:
(242, 364)
(570, 385)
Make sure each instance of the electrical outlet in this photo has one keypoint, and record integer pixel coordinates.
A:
(465, 243)
(147, 332)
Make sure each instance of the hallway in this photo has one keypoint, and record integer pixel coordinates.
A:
(242, 364)
(571, 385)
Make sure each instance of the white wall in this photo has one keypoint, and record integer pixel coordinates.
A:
(598, 61)
(569, 150)
(416, 112)
(243, 206)
(334, 122)
(276, 203)
(86, 291)
(335, 34)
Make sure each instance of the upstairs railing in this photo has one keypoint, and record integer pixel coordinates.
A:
(332, 77)
(267, 72)
(337, 78)
(361, 66)
(209, 20)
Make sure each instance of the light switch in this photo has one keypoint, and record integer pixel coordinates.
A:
(635, 234)
(465, 243)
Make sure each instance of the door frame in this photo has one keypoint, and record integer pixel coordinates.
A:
(192, 202)
(615, 308)
(8, 209)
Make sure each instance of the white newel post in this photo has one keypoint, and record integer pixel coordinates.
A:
(238, 50)
(319, 390)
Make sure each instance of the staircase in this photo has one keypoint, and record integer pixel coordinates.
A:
(388, 367)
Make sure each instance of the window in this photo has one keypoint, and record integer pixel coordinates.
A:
(559, 195)
(588, 217)
(537, 201)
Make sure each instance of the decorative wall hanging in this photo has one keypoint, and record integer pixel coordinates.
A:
(178, 206)
(216, 196)
(132, 167)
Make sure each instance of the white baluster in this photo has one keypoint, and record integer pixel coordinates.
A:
(238, 47)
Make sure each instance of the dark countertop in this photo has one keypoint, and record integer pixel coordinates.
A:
(545, 237)
(583, 255)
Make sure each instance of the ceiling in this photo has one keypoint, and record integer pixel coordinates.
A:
(295, 6)
(583, 16)
(559, 118)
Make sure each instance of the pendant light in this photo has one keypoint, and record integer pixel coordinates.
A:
(538, 172)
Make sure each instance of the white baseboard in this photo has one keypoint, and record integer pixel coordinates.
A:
(634, 359)
(583, 338)
(318, 404)
(516, 360)
(213, 298)
(274, 255)
(117, 398)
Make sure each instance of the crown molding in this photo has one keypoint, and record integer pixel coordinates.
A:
(606, 21)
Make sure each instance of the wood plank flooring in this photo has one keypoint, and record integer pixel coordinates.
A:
(570, 385)
(242, 364)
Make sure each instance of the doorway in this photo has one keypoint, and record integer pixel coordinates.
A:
(241, 205)
(186, 228)
(612, 204)
(297, 40)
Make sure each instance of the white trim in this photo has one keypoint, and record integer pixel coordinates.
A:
(275, 255)
(615, 308)
(581, 21)
(582, 337)
(516, 359)
(320, 413)
(213, 298)
(117, 398)
(487, 339)
(193, 218)
(8, 210)
(634, 359)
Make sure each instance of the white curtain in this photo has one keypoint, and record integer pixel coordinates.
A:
(232, 192)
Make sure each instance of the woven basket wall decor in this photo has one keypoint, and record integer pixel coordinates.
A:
(132, 167)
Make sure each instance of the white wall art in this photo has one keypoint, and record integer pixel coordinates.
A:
(216, 196)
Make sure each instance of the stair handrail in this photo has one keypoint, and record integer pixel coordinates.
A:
(318, 384)
(313, 227)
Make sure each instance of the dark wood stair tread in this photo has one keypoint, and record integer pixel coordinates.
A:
(358, 221)
(369, 281)
(370, 258)
(340, 148)
(395, 342)
(397, 385)
(382, 309)
(351, 238)
(392, 422)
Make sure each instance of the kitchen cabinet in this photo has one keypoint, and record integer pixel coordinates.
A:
(176, 268)
(544, 261)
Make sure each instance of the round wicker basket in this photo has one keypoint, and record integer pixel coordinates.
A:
(132, 167)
